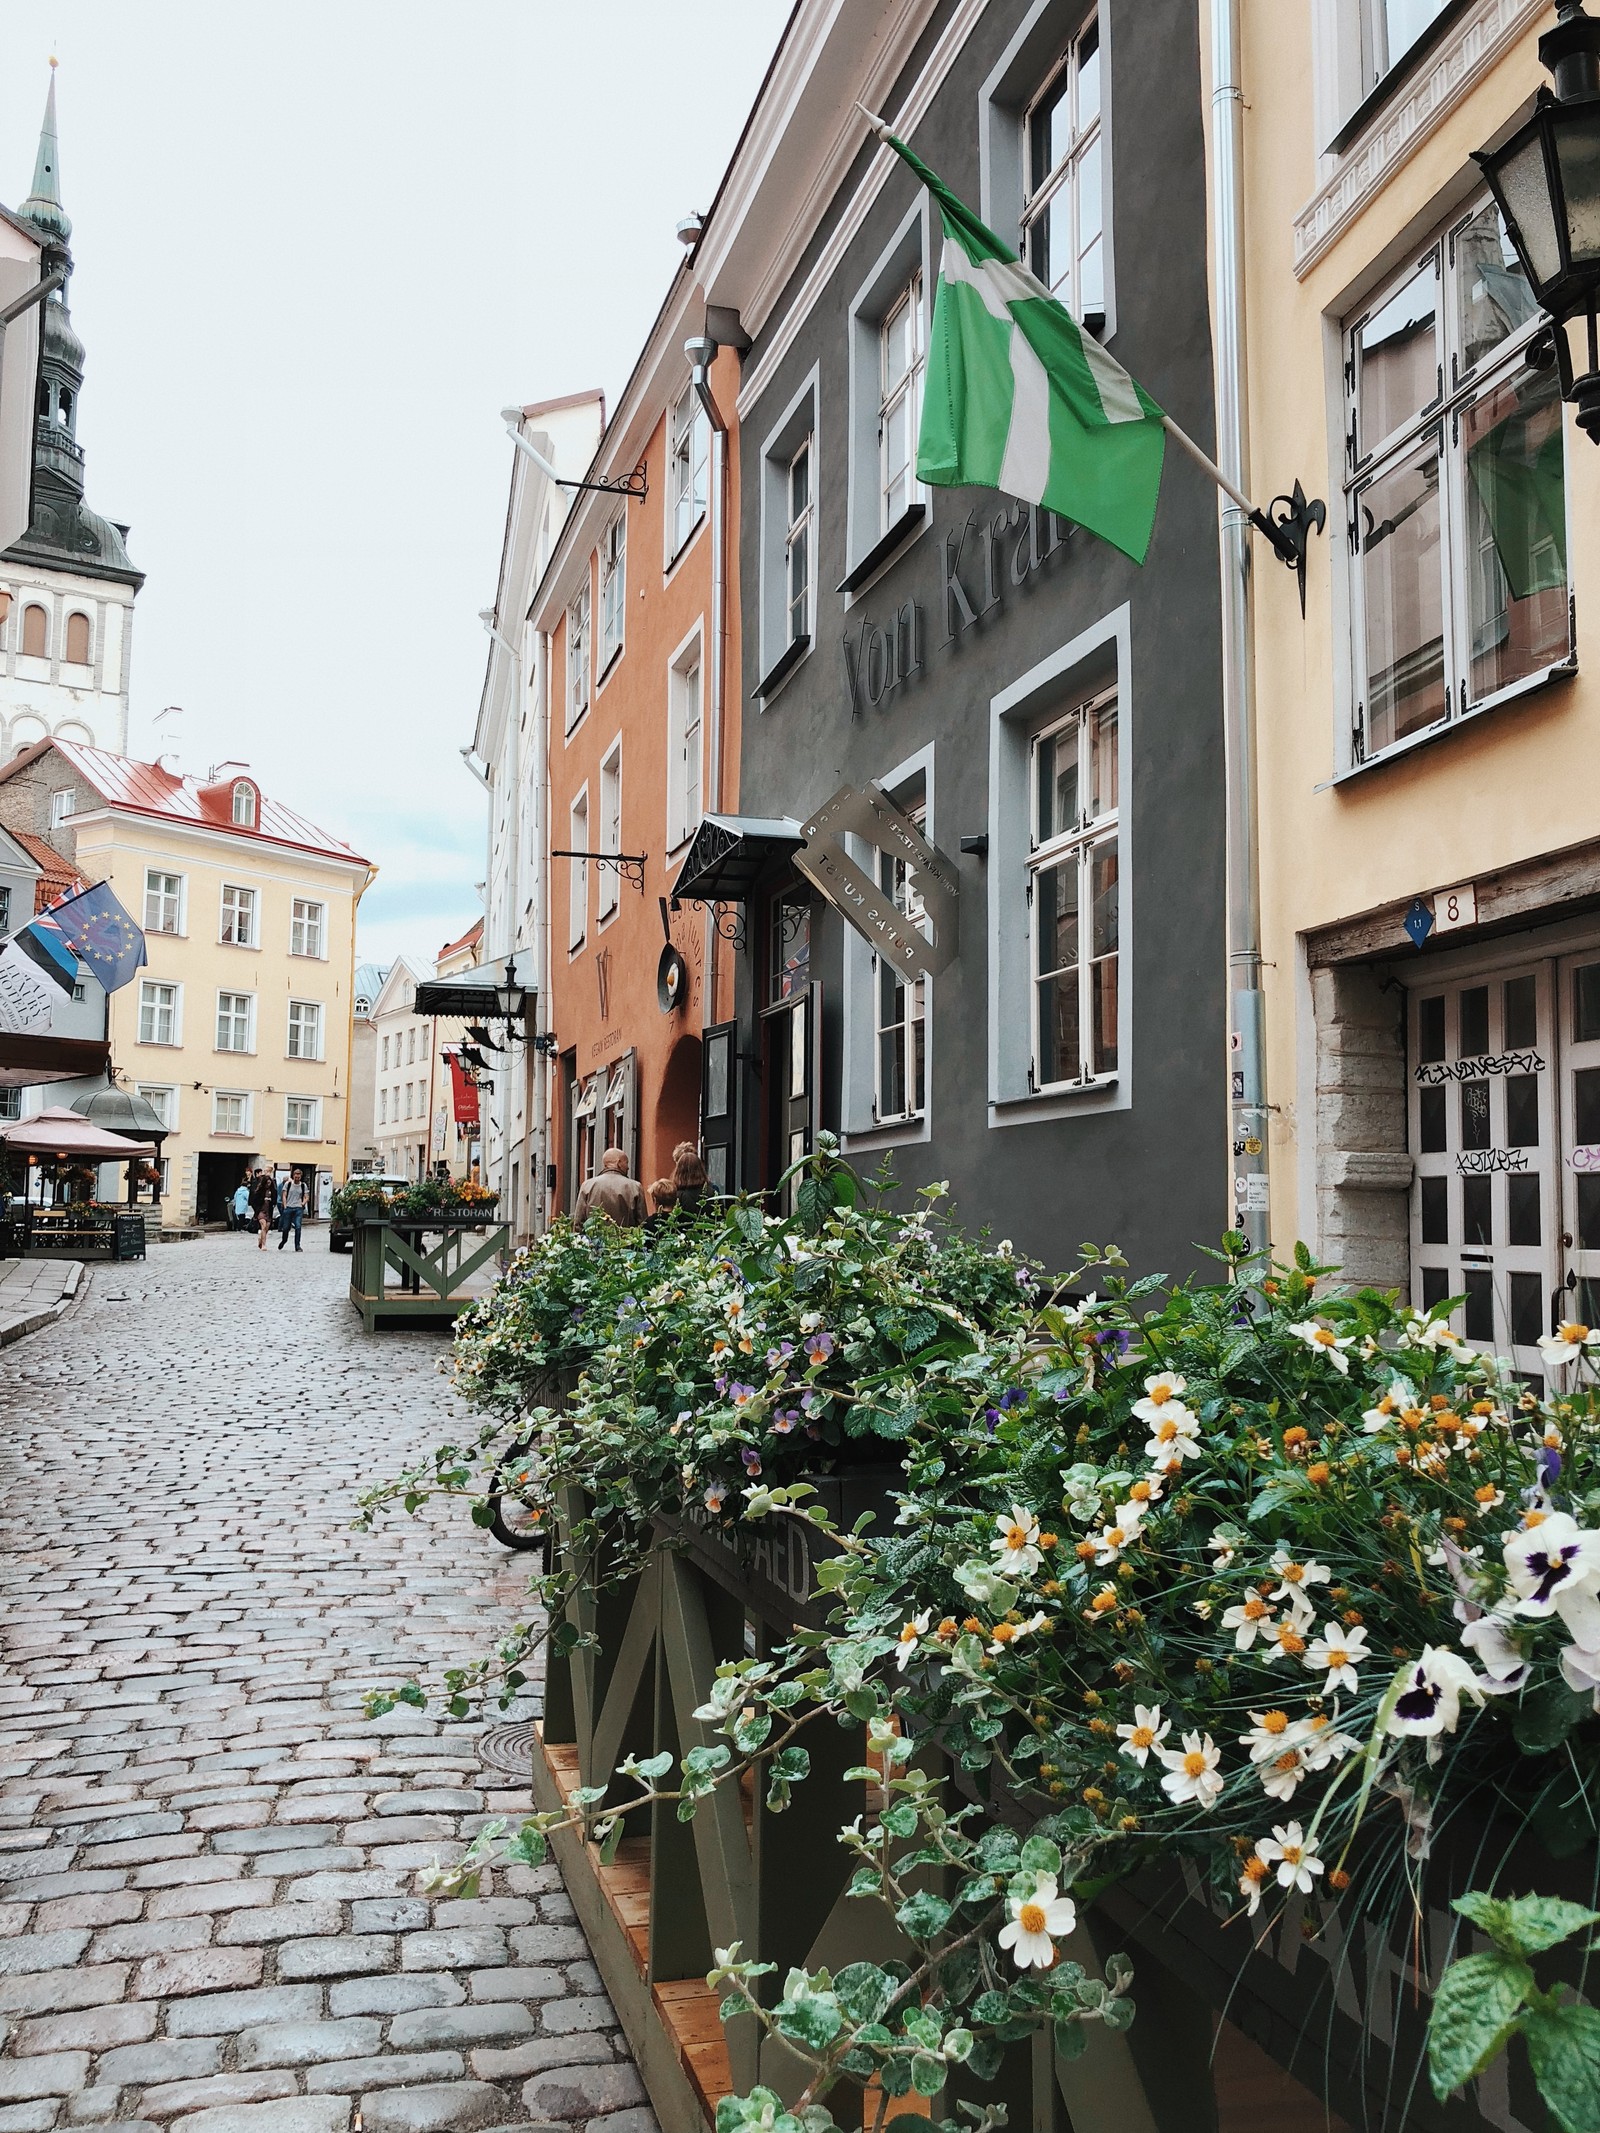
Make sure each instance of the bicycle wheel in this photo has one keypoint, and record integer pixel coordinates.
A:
(513, 1522)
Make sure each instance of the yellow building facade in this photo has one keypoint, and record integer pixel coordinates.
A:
(1430, 820)
(238, 1030)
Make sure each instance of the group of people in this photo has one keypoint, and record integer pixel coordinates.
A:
(621, 1199)
(260, 1203)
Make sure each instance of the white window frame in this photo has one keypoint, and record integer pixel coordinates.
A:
(383, 1107)
(899, 884)
(246, 906)
(800, 534)
(1077, 845)
(313, 1129)
(308, 928)
(578, 871)
(168, 1108)
(149, 990)
(295, 1029)
(246, 806)
(613, 590)
(10, 1103)
(578, 676)
(245, 1100)
(797, 429)
(1438, 422)
(688, 461)
(63, 806)
(685, 739)
(608, 886)
(1085, 140)
(177, 895)
(901, 394)
(385, 1066)
(233, 1018)
(903, 259)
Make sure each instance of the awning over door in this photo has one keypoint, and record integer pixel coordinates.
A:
(729, 854)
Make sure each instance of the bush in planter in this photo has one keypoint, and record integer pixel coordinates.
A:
(1253, 1572)
(429, 1196)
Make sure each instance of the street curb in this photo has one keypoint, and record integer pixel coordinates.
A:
(74, 1289)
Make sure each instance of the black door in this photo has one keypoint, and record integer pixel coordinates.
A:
(791, 1075)
(719, 1105)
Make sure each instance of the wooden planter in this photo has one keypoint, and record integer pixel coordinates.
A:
(432, 1283)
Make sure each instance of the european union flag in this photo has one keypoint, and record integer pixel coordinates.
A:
(97, 929)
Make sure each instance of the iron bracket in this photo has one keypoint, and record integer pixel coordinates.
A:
(629, 865)
(636, 485)
(1290, 530)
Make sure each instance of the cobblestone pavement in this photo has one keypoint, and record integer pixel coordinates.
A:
(208, 1856)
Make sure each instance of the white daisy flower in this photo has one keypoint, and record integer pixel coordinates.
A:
(1192, 1773)
(1287, 1849)
(1284, 1773)
(1294, 1577)
(1254, 1873)
(1017, 1542)
(1110, 1541)
(1037, 1922)
(1341, 1651)
(1252, 1618)
(1149, 1730)
(906, 1642)
(1224, 1546)
(1161, 1395)
(1400, 1399)
(1174, 1435)
(1269, 1730)
(1325, 1341)
(1321, 1742)
(1568, 1342)
(1284, 1641)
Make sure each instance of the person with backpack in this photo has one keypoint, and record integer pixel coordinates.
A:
(291, 1209)
(239, 1205)
(263, 1202)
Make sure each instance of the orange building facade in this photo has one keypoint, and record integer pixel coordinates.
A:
(638, 610)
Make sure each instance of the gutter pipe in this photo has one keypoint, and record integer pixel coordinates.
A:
(701, 351)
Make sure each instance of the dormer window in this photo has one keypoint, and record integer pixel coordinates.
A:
(244, 804)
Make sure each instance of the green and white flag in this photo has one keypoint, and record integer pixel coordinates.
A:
(1018, 397)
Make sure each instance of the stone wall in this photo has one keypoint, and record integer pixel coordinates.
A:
(1363, 1167)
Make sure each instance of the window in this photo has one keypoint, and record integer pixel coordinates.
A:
(1389, 28)
(238, 916)
(686, 483)
(235, 1021)
(305, 1029)
(411, 1045)
(1073, 897)
(35, 633)
(383, 1107)
(162, 1099)
(797, 548)
(410, 1093)
(302, 1118)
(307, 923)
(244, 804)
(900, 356)
(608, 885)
(1456, 502)
(1062, 211)
(613, 588)
(578, 871)
(230, 1111)
(5, 908)
(386, 1055)
(683, 745)
(163, 902)
(78, 648)
(10, 1103)
(62, 807)
(158, 1013)
(578, 655)
(900, 1008)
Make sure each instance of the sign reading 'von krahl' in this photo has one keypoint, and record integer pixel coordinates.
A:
(863, 903)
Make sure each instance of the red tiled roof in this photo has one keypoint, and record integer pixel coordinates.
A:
(469, 939)
(60, 877)
(148, 789)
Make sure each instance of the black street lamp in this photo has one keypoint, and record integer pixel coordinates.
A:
(1546, 184)
(510, 997)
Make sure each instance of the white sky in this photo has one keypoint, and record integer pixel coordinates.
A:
(317, 248)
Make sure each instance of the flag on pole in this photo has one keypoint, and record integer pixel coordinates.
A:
(95, 926)
(1019, 397)
(44, 944)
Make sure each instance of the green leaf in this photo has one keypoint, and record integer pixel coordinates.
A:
(900, 1820)
(928, 2074)
(1539, 1922)
(1474, 2013)
(1545, 1718)
(813, 1202)
(1564, 2046)
(1072, 2040)
(809, 2018)
(750, 1223)
(923, 1916)
(985, 2058)
(1042, 1857)
(865, 1881)
(863, 1990)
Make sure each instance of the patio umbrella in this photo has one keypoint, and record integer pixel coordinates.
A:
(67, 1133)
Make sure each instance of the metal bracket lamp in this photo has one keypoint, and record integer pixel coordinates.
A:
(629, 865)
(1546, 183)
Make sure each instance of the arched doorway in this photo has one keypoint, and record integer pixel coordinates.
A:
(677, 1116)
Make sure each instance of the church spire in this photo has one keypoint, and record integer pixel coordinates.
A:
(43, 205)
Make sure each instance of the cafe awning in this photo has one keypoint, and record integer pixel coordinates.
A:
(26, 1061)
(729, 855)
(65, 1133)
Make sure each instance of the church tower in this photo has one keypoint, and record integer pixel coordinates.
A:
(67, 587)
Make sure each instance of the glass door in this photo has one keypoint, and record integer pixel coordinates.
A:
(1486, 1202)
(1580, 1166)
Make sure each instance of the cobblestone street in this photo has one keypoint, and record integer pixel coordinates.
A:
(208, 1856)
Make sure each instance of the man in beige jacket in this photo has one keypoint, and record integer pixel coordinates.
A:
(612, 1193)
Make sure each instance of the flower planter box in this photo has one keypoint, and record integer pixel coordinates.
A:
(432, 1288)
(771, 1566)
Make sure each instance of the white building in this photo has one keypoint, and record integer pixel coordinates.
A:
(67, 585)
(413, 1126)
(509, 745)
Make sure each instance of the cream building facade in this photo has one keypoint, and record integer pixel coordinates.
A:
(238, 1029)
(1430, 821)
(413, 1121)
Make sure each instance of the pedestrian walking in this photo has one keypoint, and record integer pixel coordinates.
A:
(263, 1202)
(241, 1204)
(688, 1175)
(612, 1194)
(291, 1209)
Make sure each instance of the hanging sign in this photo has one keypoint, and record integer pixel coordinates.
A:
(464, 1090)
(27, 997)
(863, 903)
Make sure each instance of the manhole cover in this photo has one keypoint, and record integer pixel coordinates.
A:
(508, 1748)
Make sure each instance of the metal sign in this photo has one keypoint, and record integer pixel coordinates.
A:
(865, 904)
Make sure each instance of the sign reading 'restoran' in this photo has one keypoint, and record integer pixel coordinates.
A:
(863, 903)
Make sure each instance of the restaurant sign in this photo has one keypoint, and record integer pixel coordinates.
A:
(864, 903)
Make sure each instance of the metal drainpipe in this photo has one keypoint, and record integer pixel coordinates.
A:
(541, 918)
(491, 623)
(1247, 1058)
(701, 351)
